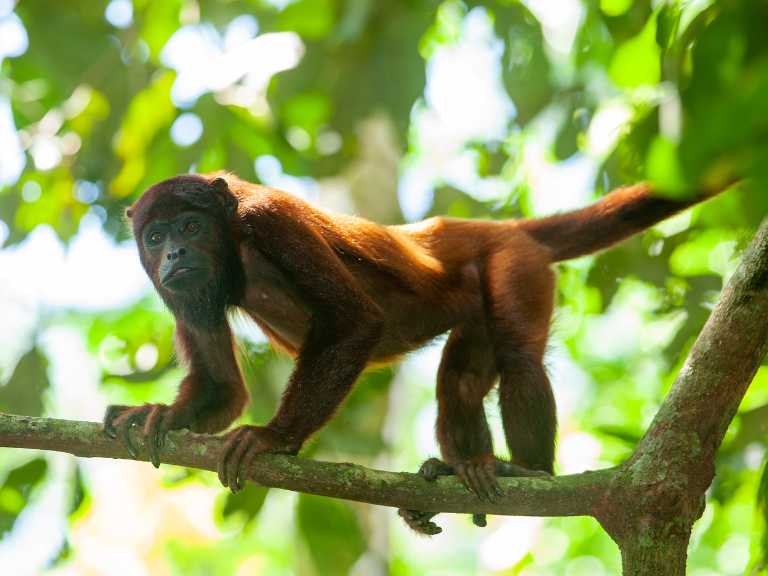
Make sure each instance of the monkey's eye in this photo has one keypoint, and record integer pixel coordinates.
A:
(157, 237)
(191, 226)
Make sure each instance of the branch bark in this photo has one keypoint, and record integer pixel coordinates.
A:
(573, 495)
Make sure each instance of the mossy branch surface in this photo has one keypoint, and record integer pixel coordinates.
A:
(572, 495)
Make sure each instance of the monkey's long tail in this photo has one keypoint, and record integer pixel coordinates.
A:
(622, 213)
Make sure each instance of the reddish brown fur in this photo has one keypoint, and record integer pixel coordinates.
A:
(341, 293)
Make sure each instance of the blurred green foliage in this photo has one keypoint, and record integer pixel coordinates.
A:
(689, 80)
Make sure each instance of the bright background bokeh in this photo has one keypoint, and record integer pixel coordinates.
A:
(393, 110)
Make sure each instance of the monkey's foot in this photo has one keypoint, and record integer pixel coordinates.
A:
(477, 473)
(240, 447)
(157, 419)
(420, 522)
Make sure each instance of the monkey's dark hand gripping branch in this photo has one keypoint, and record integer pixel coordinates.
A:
(325, 373)
(157, 419)
(211, 396)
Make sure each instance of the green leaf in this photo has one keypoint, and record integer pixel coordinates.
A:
(23, 393)
(247, 502)
(636, 61)
(311, 19)
(307, 110)
(662, 167)
(15, 491)
(616, 7)
(332, 534)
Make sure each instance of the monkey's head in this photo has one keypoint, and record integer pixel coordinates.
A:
(185, 229)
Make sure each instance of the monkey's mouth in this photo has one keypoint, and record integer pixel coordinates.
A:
(178, 273)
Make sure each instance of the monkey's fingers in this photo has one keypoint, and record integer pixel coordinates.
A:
(235, 462)
(155, 429)
(479, 520)
(420, 521)
(235, 457)
(168, 422)
(487, 480)
(231, 442)
(242, 472)
(123, 426)
(112, 412)
(489, 476)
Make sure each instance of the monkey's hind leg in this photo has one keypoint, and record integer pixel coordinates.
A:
(520, 314)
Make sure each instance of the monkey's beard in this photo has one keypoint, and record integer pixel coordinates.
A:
(205, 307)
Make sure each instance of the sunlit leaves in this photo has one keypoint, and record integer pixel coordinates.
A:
(149, 112)
(159, 21)
(85, 107)
(307, 110)
(23, 392)
(446, 28)
(56, 206)
(16, 491)
(636, 61)
(662, 167)
(615, 7)
(246, 503)
(337, 541)
(311, 19)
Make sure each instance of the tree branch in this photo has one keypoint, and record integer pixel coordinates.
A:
(652, 505)
(573, 495)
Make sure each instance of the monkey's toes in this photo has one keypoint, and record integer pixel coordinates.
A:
(236, 455)
(420, 522)
(433, 468)
(478, 475)
(160, 420)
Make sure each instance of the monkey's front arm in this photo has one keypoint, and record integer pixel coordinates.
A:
(345, 327)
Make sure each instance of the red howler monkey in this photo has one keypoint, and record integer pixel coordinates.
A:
(338, 293)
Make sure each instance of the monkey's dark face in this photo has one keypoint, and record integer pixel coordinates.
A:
(179, 245)
(186, 237)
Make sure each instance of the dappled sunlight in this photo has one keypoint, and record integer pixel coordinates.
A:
(207, 63)
(131, 515)
(577, 452)
(464, 101)
(391, 111)
(510, 542)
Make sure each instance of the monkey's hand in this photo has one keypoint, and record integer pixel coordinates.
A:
(157, 419)
(241, 445)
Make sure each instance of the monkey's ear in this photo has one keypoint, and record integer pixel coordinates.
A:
(129, 212)
(222, 190)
